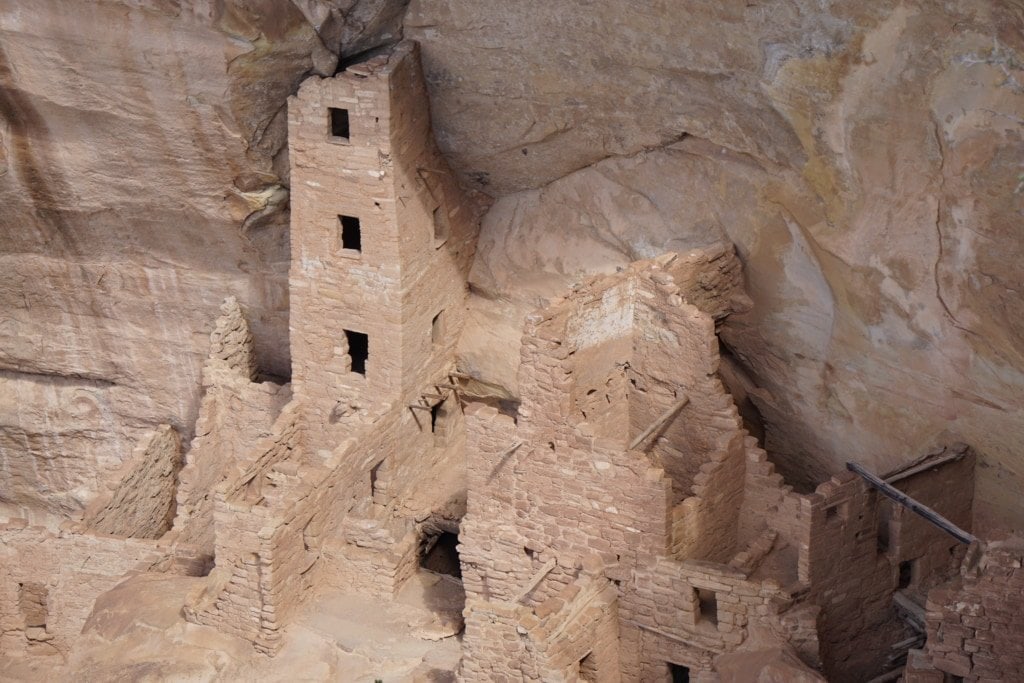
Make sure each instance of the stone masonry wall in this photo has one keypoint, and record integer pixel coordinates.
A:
(933, 554)
(331, 493)
(235, 413)
(664, 602)
(571, 491)
(143, 504)
(976, 621)
(68, 571)
(388, 175)
(333, 289)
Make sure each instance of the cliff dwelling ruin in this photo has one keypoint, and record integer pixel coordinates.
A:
(384, 510)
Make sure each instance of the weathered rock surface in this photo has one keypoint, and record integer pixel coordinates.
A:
(143, 176)
(864, 157)
(136, 632)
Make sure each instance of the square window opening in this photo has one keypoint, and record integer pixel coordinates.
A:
(707, 603)
(351, 233)
(358, 350)
(835, 512)
(338, 122)
(679, 673)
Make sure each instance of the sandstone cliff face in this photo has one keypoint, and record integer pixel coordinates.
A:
(864, 157)
(143, 178)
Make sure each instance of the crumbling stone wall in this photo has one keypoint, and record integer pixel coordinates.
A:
(930, 554)
(663, 608)
(700, 537)
(143, 503)
(236, 412)
(333, 495)
(571, 490)
(56, 578)
(975, 621)
(853, 574)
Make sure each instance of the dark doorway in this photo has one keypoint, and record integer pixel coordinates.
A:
(679, 673)
(339, 123)
(708, 602)
(588, 669)
(906, 573)
(441, 554)
(358, 350)
(435, 415)
(351, 234)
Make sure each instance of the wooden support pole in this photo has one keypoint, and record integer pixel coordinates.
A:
(510, 450)
(914, 613)
(504, 456)
(417, 406)
(453, 387)
(436, 397)
(662, 419)
(536, 579)
(906, 501)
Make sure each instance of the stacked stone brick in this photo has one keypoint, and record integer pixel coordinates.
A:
(620, 526)
(142, 505)
(49, 582)
(691, 537)
(975, 622)
(337, 492)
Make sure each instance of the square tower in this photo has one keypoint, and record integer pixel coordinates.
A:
(380, 243)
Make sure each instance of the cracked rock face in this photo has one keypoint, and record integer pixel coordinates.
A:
(865, 158)
(143, 175)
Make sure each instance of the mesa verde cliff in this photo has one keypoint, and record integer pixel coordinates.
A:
(422, 341)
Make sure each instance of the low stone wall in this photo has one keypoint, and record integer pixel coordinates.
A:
(50, 582)
(976, 623)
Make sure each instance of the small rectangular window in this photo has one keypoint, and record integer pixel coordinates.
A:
(707, 602)
(351, 233)
(358, 350)
(679, 673)
(339, 123)
(836, 512)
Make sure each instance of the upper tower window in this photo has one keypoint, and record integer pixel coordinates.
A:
(358, 350)
(338, 119)
(351, 234)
